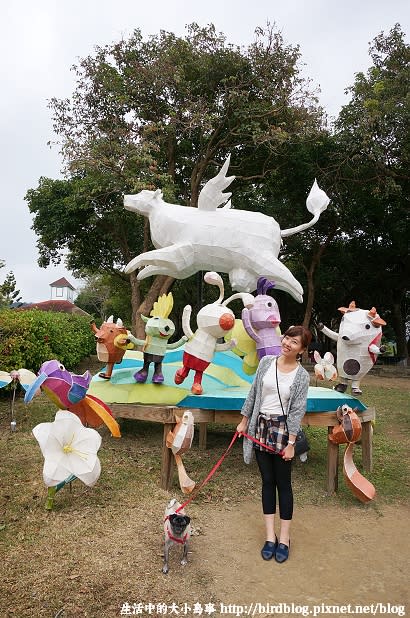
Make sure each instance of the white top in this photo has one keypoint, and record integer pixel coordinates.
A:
(270, 404)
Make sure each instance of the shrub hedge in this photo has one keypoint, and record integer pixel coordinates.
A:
(28, 338)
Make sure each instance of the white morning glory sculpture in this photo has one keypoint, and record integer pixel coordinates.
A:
(69, 449)
(215, 237)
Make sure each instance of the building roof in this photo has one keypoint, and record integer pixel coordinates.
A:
(64, 306)
(62, 283)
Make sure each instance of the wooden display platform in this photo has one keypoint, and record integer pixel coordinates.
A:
(168, 414)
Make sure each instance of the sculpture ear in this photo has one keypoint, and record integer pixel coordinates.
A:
(378, 322)
(144, 319)
(343, 309)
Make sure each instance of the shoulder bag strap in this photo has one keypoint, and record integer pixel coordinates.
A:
(280, 399)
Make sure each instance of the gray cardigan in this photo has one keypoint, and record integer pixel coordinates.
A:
(296, 408)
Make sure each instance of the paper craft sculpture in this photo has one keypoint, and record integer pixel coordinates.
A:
(70, 452)
(158, 329)
(262, 320)
(324, 368)
(245, 347)
(214, 321)
(22, 376)
(179, 440)
(69, 392)
(348, 432)
(358, 342)
(109, 350)
(243, 243)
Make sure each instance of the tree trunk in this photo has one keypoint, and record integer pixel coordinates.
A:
(160, 285)
(310, 274)
(310, 292)
(399, 327)
(135, 297)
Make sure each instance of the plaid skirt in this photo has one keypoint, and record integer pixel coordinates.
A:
(271, 432)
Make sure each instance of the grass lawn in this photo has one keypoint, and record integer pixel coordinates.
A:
(100, 544)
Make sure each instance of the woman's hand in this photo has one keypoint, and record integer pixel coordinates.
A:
(243, 425)
(288, 452)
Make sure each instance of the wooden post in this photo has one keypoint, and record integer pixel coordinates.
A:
(202, 436)
(167, 459)
(367, 447)
(332, 464)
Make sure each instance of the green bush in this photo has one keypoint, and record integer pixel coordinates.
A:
(29, 338)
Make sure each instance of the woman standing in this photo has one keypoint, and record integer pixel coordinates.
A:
(280, 388)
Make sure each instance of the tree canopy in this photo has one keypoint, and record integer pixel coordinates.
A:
(8, 292)
(164, 112)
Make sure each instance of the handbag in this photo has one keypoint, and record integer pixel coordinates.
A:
(301, 443)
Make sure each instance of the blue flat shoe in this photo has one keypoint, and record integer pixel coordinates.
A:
(269, 549)
(282, 552)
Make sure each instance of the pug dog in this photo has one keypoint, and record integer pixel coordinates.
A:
(177, 530)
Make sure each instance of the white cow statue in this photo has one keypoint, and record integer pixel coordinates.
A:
(215, 237)
(358, 344)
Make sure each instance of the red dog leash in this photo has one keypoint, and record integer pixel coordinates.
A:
(219, 462)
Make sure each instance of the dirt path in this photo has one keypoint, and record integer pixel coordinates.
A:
(357, 556)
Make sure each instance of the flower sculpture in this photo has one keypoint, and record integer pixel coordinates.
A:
(22, 376)
(324, 368)
(69, 449)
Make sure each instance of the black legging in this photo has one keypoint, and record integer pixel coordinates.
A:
(276, 473)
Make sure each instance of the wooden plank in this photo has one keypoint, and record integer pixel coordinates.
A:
(156, 414)
(328, 419)
(200, 416)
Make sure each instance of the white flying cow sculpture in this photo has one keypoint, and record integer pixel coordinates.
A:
(216, 237)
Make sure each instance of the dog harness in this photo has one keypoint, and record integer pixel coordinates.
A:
(174, 538)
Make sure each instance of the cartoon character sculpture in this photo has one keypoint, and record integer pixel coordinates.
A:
(68, 391)
(109, 350)
(158, 329)
(245, 244)
(348, 432)
(358, 342)
(179, 440)
(262, 320)
(214, 321)
(324, 368)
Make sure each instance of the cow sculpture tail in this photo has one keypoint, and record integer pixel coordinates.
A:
(359, 485)
(348, 432)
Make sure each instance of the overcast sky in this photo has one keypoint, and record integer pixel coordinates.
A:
(41, 40)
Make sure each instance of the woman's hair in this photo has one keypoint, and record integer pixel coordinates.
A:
(302, 332)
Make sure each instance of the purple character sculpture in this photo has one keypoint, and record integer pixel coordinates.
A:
(262, 320)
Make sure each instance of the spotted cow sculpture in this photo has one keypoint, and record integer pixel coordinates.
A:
(358, 344)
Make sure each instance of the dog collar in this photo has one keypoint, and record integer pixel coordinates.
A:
(174, 538)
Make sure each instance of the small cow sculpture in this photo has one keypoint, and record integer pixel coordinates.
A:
(243, 243)
(358, 342)
(109, 348)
